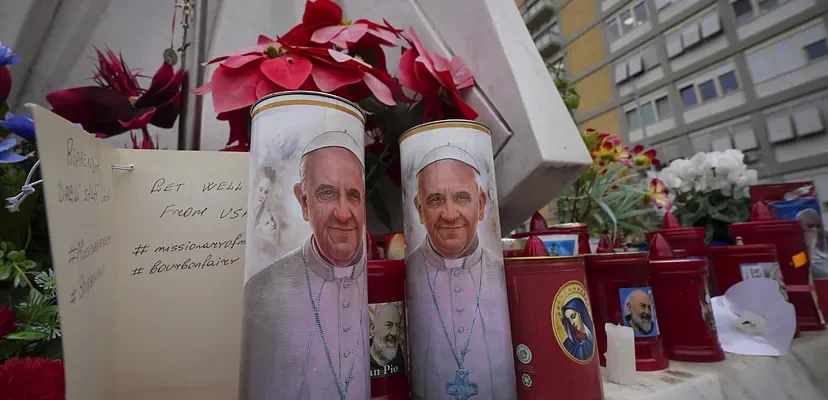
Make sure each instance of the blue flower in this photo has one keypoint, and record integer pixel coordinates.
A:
(7, 57)
(20, 125)
(6, 155)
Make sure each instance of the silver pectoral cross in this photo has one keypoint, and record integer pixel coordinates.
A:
(461, 388)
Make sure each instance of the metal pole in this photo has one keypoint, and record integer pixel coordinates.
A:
(192, 55)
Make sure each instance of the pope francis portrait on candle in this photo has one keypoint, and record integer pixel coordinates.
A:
(304, 321)
(458, 312)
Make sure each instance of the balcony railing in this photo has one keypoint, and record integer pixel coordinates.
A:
(537, 13)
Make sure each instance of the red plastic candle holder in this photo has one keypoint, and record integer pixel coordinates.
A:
(563, 229)
(733, 264)
(690, 240)
(553, 334)
(616, 279)
(688, 328)
(386, 288)
(787, 237)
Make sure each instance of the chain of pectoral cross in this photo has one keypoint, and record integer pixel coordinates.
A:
(460, 388)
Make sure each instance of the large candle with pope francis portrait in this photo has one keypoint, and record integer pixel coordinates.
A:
(305, 318)
(458, 315)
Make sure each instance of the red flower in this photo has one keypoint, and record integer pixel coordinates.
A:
(642, 158)
(350, 77)
(437, 79)
(146, 143)
(5, 83)
(32, 379)
(272, 67)
(119, 103)
(239, 121)
(245, 76)
(8, 321)
(323, 21)
(658, 194)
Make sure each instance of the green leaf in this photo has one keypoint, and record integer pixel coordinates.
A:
(27, 264)
(632, 227)
(5, 271)
(634, 213)
(8, 348)
(372, 106)
(26, 335)
(16, 256)
(606, 210)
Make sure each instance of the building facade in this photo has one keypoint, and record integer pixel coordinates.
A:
(685, 76)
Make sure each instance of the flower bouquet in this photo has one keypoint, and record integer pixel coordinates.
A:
(346, 58)
(710, 190)
(614, 195)
(30, 346)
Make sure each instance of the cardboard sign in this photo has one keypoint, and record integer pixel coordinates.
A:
(149, 265)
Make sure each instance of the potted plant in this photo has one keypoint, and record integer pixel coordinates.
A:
(710, 190)
(615, 195)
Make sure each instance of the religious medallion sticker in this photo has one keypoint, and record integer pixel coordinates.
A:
(386, 338)
(638, 308)
(527, 380)
(572, 322)
(524, 355)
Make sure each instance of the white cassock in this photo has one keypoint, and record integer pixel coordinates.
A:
(283, 353)
(455, 282)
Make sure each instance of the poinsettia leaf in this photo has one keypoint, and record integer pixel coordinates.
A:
(26, 335)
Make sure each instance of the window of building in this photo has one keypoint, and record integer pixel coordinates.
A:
(632, 120)
(627, 20)
(688, 96)
(612, 30)
(767, 5)
(802, 118)
(651, 111)
(730, 135)
(728, 82)
(640, 11)
(707, 90)
(693, 33)
(746, 10)
(743, 10)
(788, 53)
(663, 107)
(636, 64)
(816, 50)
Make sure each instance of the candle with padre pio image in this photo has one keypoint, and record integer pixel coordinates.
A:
(305, 322)
(458, 313)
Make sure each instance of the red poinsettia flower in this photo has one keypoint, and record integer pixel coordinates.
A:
(437, 79)
(334, 71)
(8, 321)
(32, 379)
(323, 20)
(245, 76)
(119, 103)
